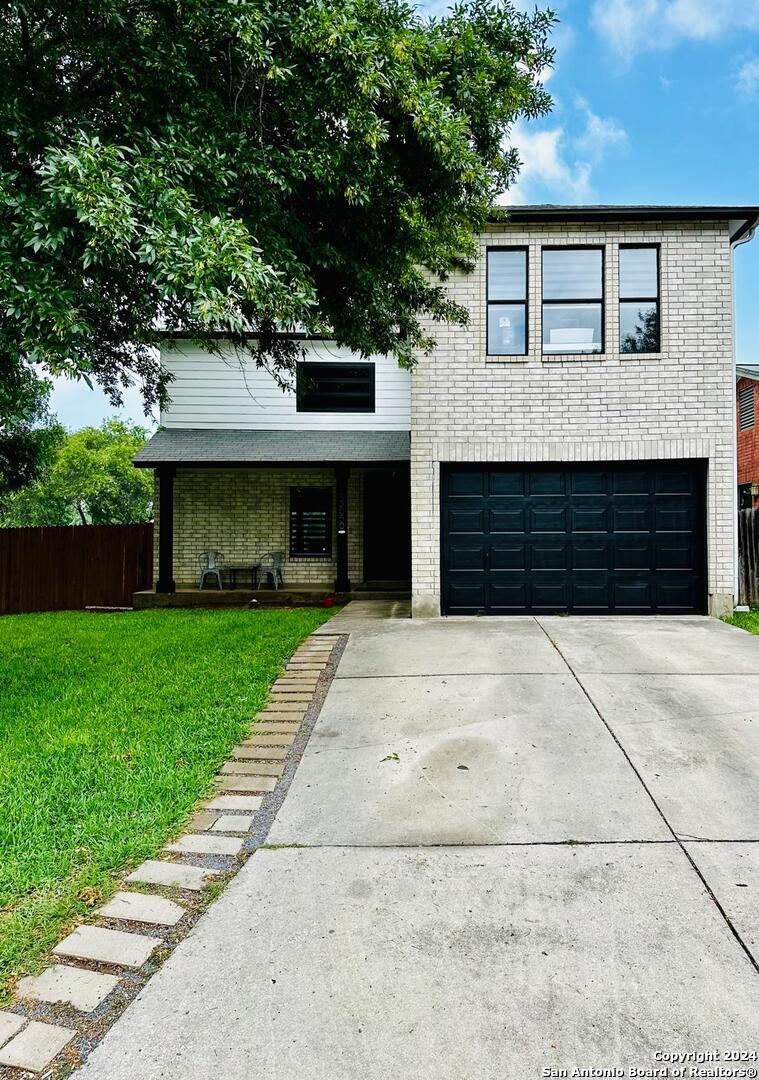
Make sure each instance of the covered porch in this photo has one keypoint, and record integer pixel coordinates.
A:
(334, 505)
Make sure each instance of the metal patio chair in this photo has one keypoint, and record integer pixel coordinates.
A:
(211, 567)
(271, 567)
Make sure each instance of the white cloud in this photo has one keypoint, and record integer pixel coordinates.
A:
(633, 26)
(600, 135)
(545, 166)
(747, 79)
(558, 167)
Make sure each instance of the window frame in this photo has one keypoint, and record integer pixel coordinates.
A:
(336, 366)
(640, 299)
(489, 301)
(330, 496)
(578, 301)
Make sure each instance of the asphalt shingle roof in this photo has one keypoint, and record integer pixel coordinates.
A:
(198, 446)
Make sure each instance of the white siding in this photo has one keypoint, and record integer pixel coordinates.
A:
(217, 392)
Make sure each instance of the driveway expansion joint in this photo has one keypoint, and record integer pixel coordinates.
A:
(680, 843)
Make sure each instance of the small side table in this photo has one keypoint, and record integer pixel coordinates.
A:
(244, 568)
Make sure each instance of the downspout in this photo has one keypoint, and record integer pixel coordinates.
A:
(742, 236)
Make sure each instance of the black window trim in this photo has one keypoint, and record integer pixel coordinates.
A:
(572, 300)
(492, 301)
(330, 493)
(641, 299)
(337, 365)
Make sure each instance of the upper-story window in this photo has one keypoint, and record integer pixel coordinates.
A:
(335, 387)
(746, 407)
(573, 300)
(639, 299)
(507, 301)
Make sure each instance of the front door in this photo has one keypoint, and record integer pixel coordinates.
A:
(387, 525)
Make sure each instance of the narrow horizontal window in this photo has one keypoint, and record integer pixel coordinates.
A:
(573, 300)
(335, 387)
(746, 408)
(639, 330)
(507, 301)
(310, 521)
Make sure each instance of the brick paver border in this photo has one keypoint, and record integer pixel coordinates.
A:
(97, 969)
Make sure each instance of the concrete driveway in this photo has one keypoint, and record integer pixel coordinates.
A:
(512, 845)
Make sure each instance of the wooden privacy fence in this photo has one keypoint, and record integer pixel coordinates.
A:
(58, 567)
(748, 556)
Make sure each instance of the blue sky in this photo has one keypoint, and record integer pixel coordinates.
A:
(655, 101)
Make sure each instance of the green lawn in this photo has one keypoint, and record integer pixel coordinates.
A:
(111, 727)
(747, 620)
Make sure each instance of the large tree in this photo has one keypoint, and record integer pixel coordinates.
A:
(28, 432)
(89, 480)
(241, 166)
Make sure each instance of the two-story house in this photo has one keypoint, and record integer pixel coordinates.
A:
(570, 449)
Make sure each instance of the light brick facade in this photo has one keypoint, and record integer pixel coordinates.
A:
(244, 513)
(468, 407)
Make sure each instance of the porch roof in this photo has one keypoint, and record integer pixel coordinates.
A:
(205, 448)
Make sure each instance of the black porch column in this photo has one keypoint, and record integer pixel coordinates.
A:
(166, 583)
(342, 583)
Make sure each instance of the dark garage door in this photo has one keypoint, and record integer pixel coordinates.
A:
(590, 539)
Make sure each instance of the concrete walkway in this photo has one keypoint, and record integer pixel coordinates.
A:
(512, 845)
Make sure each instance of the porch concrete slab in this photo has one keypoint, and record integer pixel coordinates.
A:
(732, 873)
(143, 908)
(695, 742)
(107, 946)
(418, 764)
(448, 647)
(490, 964)
(36, 1046)
(691, 644)
(83, 989)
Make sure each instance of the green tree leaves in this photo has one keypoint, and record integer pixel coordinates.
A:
(28, 434)
(90, 481)
(242, 167)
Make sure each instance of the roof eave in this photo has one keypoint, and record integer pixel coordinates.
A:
(550, 214)
(329, 463)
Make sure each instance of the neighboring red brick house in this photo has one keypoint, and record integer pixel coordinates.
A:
(747, 392)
